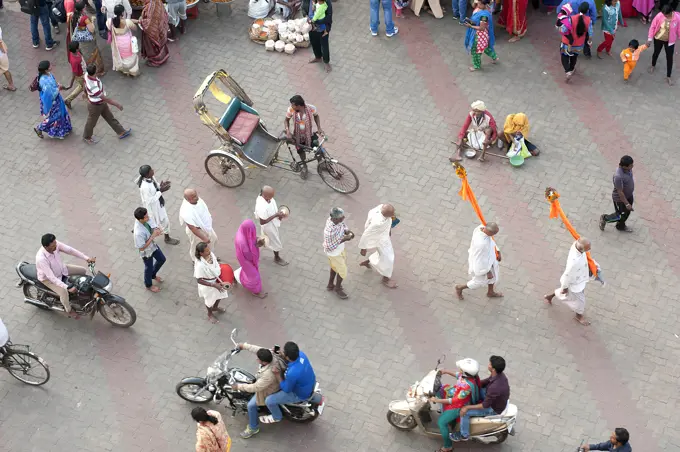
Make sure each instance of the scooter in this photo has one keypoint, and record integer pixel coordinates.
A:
(417, 411)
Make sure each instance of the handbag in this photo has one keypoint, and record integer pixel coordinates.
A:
(82, 35)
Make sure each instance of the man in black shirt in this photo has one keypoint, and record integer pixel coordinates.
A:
(624, 185)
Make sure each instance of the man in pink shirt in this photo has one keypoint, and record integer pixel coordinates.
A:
(52, 271)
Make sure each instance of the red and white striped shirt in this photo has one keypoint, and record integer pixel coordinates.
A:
(95, 89)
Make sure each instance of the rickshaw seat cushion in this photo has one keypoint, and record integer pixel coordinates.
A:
(243, 126)
(233, 107)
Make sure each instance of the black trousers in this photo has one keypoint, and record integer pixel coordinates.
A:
(620, 215)
(586, 49)
(658, 45)
(569, 62)
(320, 45)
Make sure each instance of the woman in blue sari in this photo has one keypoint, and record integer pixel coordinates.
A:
(57, 123)
(480, 36)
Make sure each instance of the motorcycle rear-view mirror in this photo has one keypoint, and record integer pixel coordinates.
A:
(439, 361)
(234, 335)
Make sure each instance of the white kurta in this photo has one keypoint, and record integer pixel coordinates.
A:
(264, 210)
(151, 201)
(482, 260)
(376, 237)
(575, 277)
(199, 216)
(205, 270)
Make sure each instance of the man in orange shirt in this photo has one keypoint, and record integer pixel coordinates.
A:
(630, 56)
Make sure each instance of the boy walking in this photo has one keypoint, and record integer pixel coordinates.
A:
(630, 57)
(145, 231)
(624, 185)
(75, 59)
(99, 106)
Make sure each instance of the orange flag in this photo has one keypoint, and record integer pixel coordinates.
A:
(556, 211)
(468, 195)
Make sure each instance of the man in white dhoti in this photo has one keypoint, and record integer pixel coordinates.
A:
(483, 259)
(152, 199)
(574, 279)
(377, 236)
(194, 214)
(269, 217)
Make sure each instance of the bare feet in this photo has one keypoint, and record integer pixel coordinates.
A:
(669, 81)
(314, 60)
(494, 294)
(494, 61)
(366, 264)
(10, 87)
(73, 315)
(472, 69)
(582, 320)
(387, 282)
(481, 158)
(455, 158)
(548, 298)
(281, 262)
(158, 279)
(599, 55)
(330, 287)
(651, 69)
(328, 67)
(514, 39)
(261, 294)
(154, 289)
(213, 319)
(219, 310)
(459, 292)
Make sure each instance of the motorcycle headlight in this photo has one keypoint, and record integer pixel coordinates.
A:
(108, 287)
(212, 371)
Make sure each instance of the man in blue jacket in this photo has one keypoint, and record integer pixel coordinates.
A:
(618, 442)
(592, 12)
(296, 385)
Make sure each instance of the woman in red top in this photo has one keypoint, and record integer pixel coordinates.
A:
(81, 29)
(455, 397)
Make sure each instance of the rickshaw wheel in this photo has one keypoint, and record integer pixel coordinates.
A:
(338, 176)
(225, 170)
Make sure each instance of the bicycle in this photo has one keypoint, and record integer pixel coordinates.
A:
(24, 365)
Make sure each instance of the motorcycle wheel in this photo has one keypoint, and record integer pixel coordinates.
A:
(298, 420)
(125, 318)
(501, 437)
(401, 422)
(32, 292)
(187, 392)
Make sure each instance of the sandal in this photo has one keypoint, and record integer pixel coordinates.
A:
(38, 132)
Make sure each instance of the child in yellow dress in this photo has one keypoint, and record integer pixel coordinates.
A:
(630, 56)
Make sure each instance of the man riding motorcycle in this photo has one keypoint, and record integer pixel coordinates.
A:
(296, 385)
(53, 273)
(265, 384)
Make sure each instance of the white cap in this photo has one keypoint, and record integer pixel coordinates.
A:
(469, 366)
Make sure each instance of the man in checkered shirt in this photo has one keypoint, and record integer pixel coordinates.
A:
(335, 234)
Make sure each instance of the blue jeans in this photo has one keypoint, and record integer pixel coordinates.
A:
(253, 421)
(44, 17)
(465, 420)
(459, 8)
(280, 398)
(375, 15)
(150, 268)
(101, 17)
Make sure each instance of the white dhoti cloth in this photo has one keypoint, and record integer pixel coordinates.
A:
(382, 260)
(264, 210)
(210, 272)
(575, 300)
(575, 277)
(376, 237)
(478, 281)
(151, 200)
(197, 215)
(482, 259)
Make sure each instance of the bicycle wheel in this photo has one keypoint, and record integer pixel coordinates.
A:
(26, 367)
(225, 170)
(338, 176)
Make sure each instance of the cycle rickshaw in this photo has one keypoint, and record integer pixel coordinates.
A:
(247, 143)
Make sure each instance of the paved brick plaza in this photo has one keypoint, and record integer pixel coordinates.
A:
(391, 107)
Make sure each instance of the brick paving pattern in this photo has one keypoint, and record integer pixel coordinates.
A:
(391, 108)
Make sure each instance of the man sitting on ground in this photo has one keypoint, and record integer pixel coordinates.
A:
(479, 131)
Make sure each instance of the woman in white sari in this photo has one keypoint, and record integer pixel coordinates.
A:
(210, 287)
(124, 53)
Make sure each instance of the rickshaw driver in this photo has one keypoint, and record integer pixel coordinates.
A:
(302, 114)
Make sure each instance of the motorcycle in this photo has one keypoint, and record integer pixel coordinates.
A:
(93, 295)
(217, 386)
(417, 411)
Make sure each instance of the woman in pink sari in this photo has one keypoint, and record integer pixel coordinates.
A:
(247, 247)
(125, 58)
